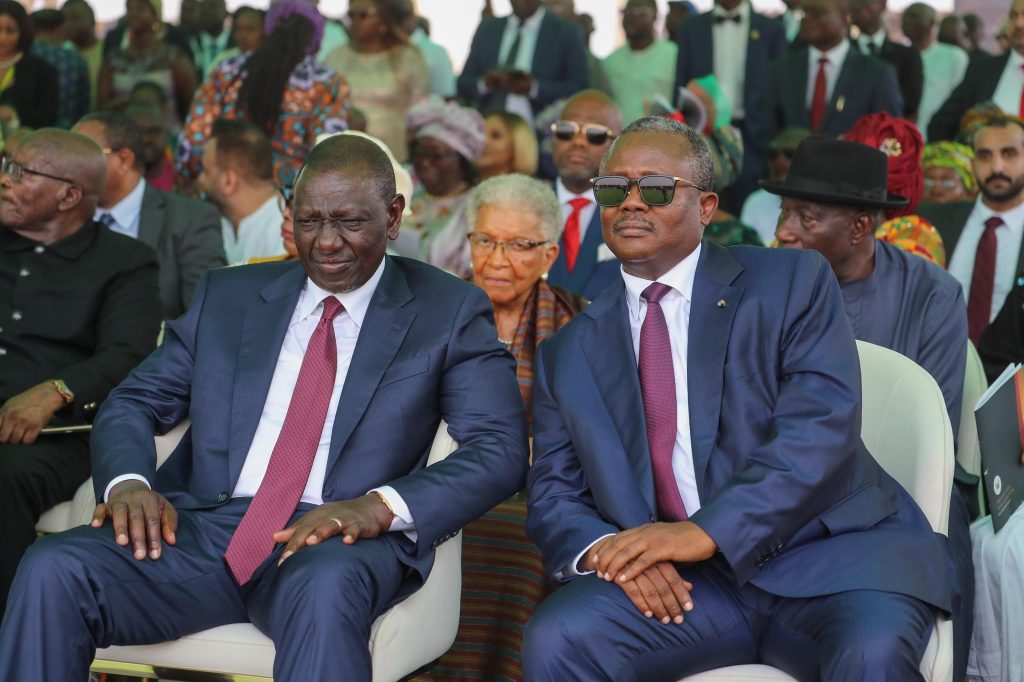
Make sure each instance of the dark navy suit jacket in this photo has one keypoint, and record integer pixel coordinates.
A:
(796, 504)
(979, 85)
(560, 65)
(427, 350)
(866, 85)
(588, 277)
(765, 43)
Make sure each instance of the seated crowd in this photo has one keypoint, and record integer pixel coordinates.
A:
(314, 242)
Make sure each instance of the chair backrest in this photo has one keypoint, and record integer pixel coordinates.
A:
(968, 448)
(906, 428)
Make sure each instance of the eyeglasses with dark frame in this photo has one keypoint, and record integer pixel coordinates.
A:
(655, 190)
(486, 245)
(595, 133)
(17, 171)
(284, 197)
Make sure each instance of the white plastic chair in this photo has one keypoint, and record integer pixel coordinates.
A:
(399, 642)
(906, 428)
(968, 451)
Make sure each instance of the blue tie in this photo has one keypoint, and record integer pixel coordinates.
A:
(108, 220)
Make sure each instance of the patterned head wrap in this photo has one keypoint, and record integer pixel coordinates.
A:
(280, 9)
(902, 143)
(461, 128)
(951, 155)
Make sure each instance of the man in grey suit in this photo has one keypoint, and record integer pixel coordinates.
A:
(185, 233)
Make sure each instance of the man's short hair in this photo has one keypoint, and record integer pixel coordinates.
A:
(1003, 121)
(351, 152)
(243, 148)
(518, 191)
(121, 132)
(81, 3)
(701, 162)
(47, 20)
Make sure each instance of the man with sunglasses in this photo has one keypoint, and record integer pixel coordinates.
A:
(79, 308)
(589, 122)
(697, 431)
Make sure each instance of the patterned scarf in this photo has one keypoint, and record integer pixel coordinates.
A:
(545, 312)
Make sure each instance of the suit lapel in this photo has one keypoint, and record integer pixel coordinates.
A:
(494, 48)
(384, 328)
(586, 259)
(545, 37)
(265, 325)
(705, 52)
(708, 339)
(798, 76)
(849, 73)
(608, 348)
(151, 217)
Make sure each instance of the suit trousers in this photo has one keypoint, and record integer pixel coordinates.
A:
(589, 630)
(34, 478)
(78, 591)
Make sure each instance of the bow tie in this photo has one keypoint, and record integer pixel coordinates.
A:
(722, 18)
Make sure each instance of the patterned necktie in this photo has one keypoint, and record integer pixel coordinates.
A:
(292, 459)
(108, 220)
(818, 98)
(658, 388)
(571, 234)
(979, 303)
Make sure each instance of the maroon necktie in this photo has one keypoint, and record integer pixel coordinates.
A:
(571, 234)
(658, 387)
(818, 97)
(979, 303)
(292, 459)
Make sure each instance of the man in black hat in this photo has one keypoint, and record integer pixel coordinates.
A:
(833, 199)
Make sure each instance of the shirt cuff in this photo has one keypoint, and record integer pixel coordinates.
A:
(534, 89)
(124, 477)
(571, 568)
(403, 520)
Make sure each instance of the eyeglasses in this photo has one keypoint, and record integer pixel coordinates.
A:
(486, 245)
(595, 133)
(17, 171)
(655, 190)
(948, 183)
(284, 197)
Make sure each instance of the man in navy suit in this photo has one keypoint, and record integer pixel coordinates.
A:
(828, 84)
(697, 432)
(298, 500)
(524, 62)
(738, 46)
(589, 122)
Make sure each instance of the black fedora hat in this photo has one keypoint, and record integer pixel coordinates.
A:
(837, 172)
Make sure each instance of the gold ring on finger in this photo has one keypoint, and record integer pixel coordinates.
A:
(340, 527)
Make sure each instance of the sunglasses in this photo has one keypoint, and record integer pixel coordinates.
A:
(595, 133)
(655, 190)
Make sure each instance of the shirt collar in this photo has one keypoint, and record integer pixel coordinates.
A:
(1013, 219)
(743, 11)
(127, 210)
(877, 38)
(356, 302)
(565, 195)
(680, 278)
(835, 56)
(69, 248)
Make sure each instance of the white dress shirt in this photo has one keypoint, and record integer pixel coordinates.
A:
(126, 213)
(676, 307)
(286, 374)
(1008, 241)
(520, 104)
(586, 213)
(836, 56)
(258, 236)
(1011, 84)
(944, 68)
(729, 52)
(864, 41)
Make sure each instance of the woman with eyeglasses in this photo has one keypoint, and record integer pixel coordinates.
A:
(29, 87)
(280, 87)
(948, 173)
(387, 74)
(447, 141)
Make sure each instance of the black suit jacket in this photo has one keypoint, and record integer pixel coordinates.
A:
(765, 43)
(35, 92)
(1003, 341)
(865, 85)
(560, 64)
(978, 85)
(186, 236)
(909, 72)
(949, 219)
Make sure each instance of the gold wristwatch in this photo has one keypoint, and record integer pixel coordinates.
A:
(64, 391)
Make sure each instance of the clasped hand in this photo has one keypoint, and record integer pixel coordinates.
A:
(642, 562)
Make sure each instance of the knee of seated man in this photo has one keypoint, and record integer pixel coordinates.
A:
(871, 648)
(52, 558)
(326, 574)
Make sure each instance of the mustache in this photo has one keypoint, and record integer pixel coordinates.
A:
(998, 176)
(633, 220)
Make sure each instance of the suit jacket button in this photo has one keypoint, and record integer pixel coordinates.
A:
(223, 497)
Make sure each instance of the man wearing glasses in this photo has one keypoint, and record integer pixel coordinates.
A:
(79, 308)
(589, 122)
(727, 466)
